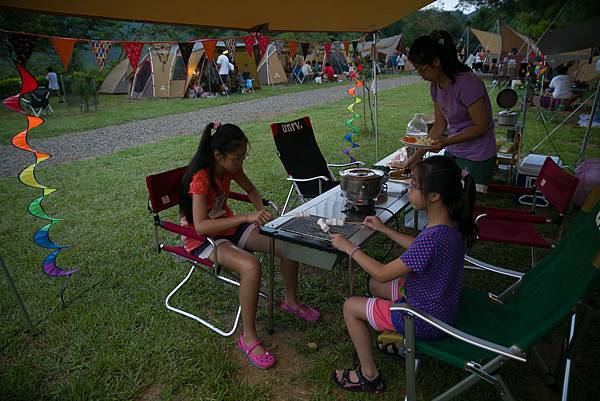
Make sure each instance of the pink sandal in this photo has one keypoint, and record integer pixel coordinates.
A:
(262, 361)
(302, 311)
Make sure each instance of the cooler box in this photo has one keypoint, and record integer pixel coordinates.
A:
(530, 168)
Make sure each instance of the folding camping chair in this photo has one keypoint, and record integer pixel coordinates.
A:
(163, 193)
(38, 101)
(247, 84)
(302, 159)
(297, 75)
(519, 227)
(493, 330)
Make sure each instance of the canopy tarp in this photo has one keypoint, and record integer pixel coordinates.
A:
(384, 46)
(512, 39)
(560, 58)
(315, 16)
(489, 40)
(577, 37)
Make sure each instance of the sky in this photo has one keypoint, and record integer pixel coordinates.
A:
(448, 5)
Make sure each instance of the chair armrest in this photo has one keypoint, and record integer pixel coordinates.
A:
(356, 163)
(512, 352)
(512, 215)
(493, 268)
(244, 198)
(511, 189)
(320, 177)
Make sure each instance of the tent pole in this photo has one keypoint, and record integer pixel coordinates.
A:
(15, 293)
(589, 127)
(467, 50)
(375, 85)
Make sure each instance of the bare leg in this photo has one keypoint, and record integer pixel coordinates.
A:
(249, 269)
(355, 317)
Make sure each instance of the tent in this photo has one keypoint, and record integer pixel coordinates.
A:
(117, 81)
(584, 35)
(164, 75)
(312, 16)
(502, 44)
(269, 70)
(489, 41)
(385, 46)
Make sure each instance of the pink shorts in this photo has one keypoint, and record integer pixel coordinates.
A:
(378, 309)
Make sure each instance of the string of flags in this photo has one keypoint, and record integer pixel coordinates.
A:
(22, 45)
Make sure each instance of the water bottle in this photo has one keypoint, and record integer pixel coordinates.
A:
(417, 127)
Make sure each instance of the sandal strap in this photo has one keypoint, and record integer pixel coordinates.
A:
(250, 348)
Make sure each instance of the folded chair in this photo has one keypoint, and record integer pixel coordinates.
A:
(163, 193)
(38, 101)
(519, 227)
(306, 167)
(493, 330)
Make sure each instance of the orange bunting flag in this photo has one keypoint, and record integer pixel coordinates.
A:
(64, 48)
(293, 45)
(346, 47)
(209, 48)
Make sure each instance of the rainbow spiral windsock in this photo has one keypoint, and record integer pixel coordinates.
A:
(351, 122)
(27, 176)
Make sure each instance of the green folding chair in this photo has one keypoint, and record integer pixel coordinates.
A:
(492, 330)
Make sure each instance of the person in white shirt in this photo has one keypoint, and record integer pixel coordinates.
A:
(400, 61)
(52, 81)
(223, 67)
(306, 71)
(561, 85)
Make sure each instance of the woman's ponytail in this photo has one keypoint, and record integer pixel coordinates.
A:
(438, 44)
(462, 211)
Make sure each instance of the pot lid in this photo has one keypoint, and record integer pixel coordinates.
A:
(507, 98)
(361, 173)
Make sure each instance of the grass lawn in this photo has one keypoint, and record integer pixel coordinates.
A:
(118, 109)
(116, 340)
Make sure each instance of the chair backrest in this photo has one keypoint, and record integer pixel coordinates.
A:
(249, 83)
(164, 189)
(557, 185)
(559, 281)
(299, 152)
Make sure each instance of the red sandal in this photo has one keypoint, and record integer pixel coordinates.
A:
(261, 361)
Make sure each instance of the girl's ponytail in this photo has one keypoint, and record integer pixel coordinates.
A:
(462, 211)
(438, 44)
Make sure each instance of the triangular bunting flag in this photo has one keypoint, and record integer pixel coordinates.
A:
(263, 42)
(249, 42)
(293, 45)
(346, 47)
(185, 48)
(230, 44)
(22, 46)
(100, 50)
(305, 46)
(133, 51)
(64, 48)
(209, 48)
(327, 50)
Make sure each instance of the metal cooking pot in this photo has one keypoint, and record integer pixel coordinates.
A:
(362, 186)
(506, 117)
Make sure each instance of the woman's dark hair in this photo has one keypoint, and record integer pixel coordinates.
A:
(227, 138)
(441, 174)
(439, 44)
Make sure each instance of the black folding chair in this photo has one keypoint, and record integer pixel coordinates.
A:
(302, 159)
(38, 101)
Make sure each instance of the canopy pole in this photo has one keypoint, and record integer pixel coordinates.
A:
(589, 127)
(15, 293)
(375, 86)
(467, 50)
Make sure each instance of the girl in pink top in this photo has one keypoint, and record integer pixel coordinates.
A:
(203, 205)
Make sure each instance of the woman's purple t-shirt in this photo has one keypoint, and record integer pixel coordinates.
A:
(454, 101)
(435, 259)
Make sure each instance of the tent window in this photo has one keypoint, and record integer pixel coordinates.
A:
(179, 70)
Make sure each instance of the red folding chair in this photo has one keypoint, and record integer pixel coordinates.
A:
(164, 193)
(519, 227)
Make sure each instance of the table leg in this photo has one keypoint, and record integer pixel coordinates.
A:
(271, 281)
(351, 275)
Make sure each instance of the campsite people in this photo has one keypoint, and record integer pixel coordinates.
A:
(203, 207)
(329, 72)
(561, 87)
(223, 67)
(428, 275)
(307, 71)
(461, 105)
(401, 61)
(52, 79)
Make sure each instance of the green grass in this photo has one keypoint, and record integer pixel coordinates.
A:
(117, 341)
(118, 109)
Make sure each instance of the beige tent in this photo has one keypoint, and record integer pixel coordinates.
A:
(270, 71)
(489, 41)
(314, 16)
(164, 75)
(503, 43)
(246, 64)
(385, 46)
(581, 70)
(117, 81)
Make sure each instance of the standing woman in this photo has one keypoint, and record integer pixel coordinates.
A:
(461, 104)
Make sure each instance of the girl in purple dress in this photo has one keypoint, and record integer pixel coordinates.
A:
(428, 275)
